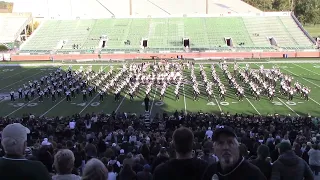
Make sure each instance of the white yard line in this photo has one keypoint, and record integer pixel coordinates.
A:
(214, 96)
(120, 103)
(314, 101)
(7, 77)
(21, 107)
(52, 107)
(20, 80)
(302, 77)
(306, 69)
(89, 103)
(185, 103)
(288, 106)
(154, 96)
(253, 106)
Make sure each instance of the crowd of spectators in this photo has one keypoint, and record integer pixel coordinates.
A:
(120, 146)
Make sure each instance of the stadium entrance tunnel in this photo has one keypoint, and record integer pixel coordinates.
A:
(273, 41)
(103, 41)
(229, 41)
(186, 42)
(144, 43)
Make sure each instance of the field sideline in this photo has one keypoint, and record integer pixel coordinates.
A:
(306, 72)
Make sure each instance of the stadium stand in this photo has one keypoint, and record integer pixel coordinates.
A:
(251, 32)
(11, 26)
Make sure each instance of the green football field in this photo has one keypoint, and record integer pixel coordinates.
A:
(306, 72)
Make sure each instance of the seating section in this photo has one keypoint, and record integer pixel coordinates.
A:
(163, 34)
(10, 27)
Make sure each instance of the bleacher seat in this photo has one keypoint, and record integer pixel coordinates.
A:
(166, 34)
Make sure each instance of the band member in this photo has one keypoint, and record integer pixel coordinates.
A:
(41, 96)
(53, 95)
(131, 95)
(12, 95)
(73, 94)
(90, 91)
(101, 96)
(84, 95)
(68, 95)
(20, 93)
(26, 95)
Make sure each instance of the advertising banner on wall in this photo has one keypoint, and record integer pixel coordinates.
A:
(1, 57)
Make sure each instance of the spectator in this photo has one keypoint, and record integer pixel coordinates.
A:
(145, 174)
(111, 174)
(64, 164)
(137, 165)
(129, 160)
(314, 159)
(13, 165)
(231, 165)
(127, 173)
(95, 170)
(184, 167)
(162, 157)
(297, 149)
(289, 166)
(305, 155)
(261, 161)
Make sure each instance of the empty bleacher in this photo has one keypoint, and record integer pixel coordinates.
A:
(166, 34)
(11, 26)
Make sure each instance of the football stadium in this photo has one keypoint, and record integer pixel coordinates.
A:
(99, 35)
(159, 89)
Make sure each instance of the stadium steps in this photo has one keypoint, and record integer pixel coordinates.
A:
(286, 29)
(147, 121)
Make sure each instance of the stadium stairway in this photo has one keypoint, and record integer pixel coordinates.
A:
(147, 121)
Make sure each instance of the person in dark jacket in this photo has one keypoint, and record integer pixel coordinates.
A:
(184, 167)
(162, 157)
(289, 166)
(231, 165)
(127, 173)
(261, 161)
(145, 174)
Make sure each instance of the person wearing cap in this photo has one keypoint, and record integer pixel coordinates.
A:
(184, 166)
(231, 165)
(289, 166)
(14, 166)
(145, 174)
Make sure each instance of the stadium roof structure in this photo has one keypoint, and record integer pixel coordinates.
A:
(11, 25)
(91, 9)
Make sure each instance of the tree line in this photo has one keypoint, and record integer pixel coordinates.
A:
(307, 11)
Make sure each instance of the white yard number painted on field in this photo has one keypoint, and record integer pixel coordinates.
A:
(17, 105)
(317, 66)
(224, 103)
(221, 103)
(32, 104)
(7, 70)
(290, 103)
(159, 103)
(284, 67)
(94, 104)
(211, 104)
(82, 104)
